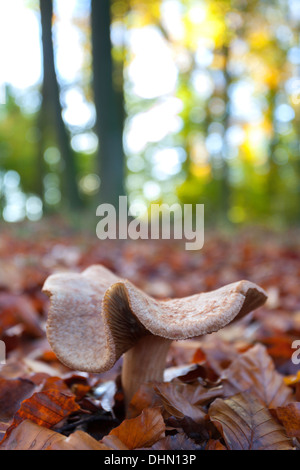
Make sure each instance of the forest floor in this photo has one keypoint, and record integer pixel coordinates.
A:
(235, 389)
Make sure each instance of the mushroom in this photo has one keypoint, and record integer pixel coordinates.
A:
(95, 317)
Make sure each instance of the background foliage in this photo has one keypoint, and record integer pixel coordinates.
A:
(211, 107)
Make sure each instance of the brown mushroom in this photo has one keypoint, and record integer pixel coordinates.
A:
(95, 317)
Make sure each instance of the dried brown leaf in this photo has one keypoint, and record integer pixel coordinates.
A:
(214, 445)
(113, 442)
(255, 370)
(12, 393)
(30, 436)
(245, 424)
(79, 440)
(55, 383)
(142, 431)
(182, 400)
(289, 416)
(46, 409)
(178, 442)
(19, 309)
(218, 353)
(145, 397)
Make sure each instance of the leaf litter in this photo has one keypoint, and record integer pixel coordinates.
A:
(237, 389)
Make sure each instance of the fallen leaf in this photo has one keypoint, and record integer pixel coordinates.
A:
(80, 390)
(196, 394)
(55, 383)
(47, 356)
(214, 445)
(279, 347)
(219, 354)
(195, 373)
(199, 356)
(289, 416)
(179, 372)
(145, 397)
(292, 379)
(245, 424)
(139, 432)
(12, 393)
(19, 309)
(30, 436)
(193, 430)
(255, 370)
(114, 443)
(26, 263)
(178, 442)
(79, 440)
(182, 400)
(45, 409)
(38, 379)
(39, 367)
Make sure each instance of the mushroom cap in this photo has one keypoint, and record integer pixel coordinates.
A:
(95, 317)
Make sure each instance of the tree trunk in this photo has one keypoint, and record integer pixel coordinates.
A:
(107, 100)
(51, 102)
(225, 192)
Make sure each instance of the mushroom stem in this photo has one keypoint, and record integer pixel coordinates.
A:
(143, 363)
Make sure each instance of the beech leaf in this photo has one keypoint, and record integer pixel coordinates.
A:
(139, 432)
(245, 424)
(45, 409)
(30, 436)
(182, 400)
(255, 370)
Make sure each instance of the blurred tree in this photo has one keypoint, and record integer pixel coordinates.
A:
(221, 129)
(51, 110)
(107, 97)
